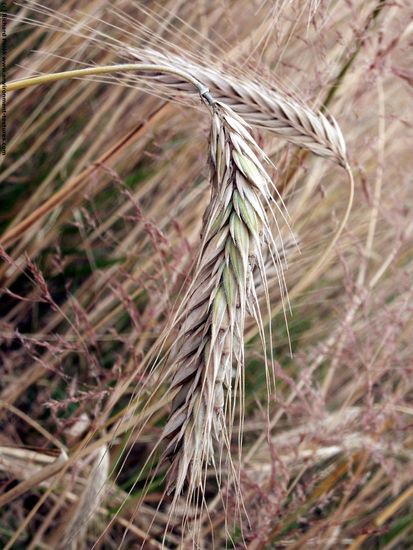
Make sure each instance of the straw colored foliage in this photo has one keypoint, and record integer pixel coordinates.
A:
(206, 247)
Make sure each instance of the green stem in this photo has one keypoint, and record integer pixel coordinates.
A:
(109, 69)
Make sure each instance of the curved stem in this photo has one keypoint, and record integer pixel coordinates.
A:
(326, 256)
(109, 69)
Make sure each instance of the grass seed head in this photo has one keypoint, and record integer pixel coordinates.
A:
(210, 339)
(256, 103)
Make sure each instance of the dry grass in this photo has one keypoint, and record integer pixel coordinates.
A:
(99, 282)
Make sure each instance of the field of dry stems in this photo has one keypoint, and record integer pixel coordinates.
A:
(206, 309)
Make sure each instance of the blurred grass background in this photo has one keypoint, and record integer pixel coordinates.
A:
(88, 288)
